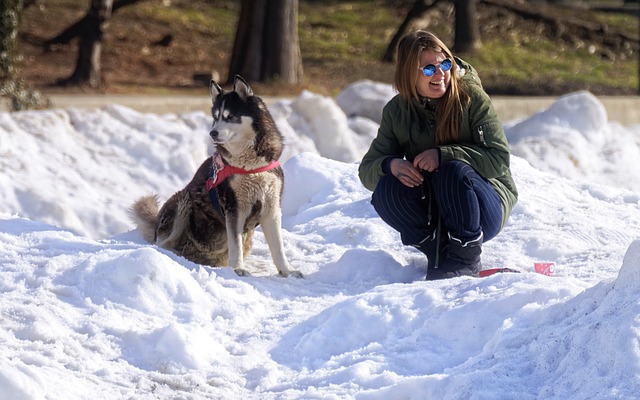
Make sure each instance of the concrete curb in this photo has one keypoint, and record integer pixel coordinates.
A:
(623, 109)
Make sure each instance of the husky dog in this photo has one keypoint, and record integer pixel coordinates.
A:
(211, 221)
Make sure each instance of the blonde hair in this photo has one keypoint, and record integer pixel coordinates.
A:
(450, 107)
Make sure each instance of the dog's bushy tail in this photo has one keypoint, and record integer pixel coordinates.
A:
(144, 213)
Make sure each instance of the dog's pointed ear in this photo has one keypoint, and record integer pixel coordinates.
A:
(215, 89)
(241, 87)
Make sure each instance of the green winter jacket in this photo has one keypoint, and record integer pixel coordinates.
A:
(407, 129)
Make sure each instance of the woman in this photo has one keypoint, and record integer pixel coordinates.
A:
(439, 166)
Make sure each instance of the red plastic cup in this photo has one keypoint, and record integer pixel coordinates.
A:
(545, 268)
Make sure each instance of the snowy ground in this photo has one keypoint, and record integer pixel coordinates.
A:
(88, 310)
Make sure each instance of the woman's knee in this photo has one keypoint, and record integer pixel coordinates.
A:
(390, 187)
(451, 173)
(403, 208)
(384, 186)
(468, 202)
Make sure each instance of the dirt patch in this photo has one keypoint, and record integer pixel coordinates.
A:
(155, 55)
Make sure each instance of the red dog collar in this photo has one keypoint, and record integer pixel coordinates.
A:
(221, 171)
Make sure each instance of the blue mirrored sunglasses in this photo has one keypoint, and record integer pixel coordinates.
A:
(430, 69)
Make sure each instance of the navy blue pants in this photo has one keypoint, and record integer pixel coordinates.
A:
(466, 203)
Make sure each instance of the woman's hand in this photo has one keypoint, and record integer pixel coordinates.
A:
(428, 161)
(406, 173)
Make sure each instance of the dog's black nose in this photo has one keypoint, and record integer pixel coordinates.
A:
(213, 134)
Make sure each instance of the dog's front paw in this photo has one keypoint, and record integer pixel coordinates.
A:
(294, 273)
(241, 272)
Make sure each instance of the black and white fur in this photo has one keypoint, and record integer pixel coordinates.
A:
(245, 136)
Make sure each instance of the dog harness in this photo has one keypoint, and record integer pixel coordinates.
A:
(221, 171)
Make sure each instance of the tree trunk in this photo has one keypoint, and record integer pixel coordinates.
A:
(81, 25)
(282, 60)
(10, 11)
(417, 11)
(11, 86)
(87, 70)
(467, 32)
(266, 46)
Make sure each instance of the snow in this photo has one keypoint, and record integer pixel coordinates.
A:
(89, 310)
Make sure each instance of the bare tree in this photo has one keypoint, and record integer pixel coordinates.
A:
(10, 12)
(90, 29)
(79, 27)
(417, 12)
(467, 36)
(11, 86)
(467, 32)
(87, 70)
(266, 46)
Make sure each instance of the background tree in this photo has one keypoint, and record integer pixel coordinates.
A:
(87, 71)
(90, 29)
(467, 32)
(11, 86)
(416, 13)
(266, 46)
(82, 25)
(10, 11)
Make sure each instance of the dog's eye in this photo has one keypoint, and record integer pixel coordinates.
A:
(229, 116)
(215, 114)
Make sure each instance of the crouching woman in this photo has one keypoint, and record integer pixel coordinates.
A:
(439, 165)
